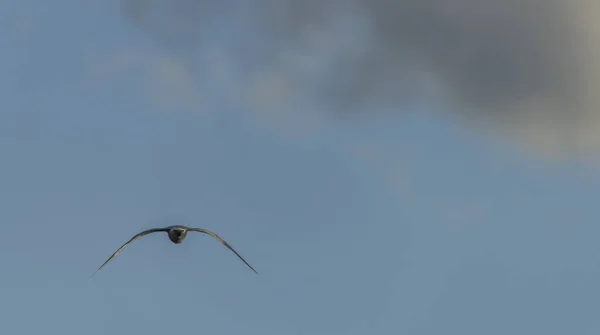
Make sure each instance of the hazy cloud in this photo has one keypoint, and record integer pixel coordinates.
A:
(526, 67)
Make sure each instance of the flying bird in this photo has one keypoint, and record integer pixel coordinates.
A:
(176, 234)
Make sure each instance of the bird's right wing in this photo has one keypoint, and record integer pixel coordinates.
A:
(145, 232)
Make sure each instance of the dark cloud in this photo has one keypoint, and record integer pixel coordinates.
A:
(525, 66)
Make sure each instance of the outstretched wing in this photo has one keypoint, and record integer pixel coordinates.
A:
(146, 232)
(200, 230)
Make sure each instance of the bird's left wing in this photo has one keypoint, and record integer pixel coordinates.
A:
(208, 232)
(145, 232)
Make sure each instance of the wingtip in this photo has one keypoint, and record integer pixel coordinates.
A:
(95, 272)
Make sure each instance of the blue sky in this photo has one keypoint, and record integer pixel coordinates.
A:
(399, 224)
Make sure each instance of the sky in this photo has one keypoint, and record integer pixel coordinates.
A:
(382, 177)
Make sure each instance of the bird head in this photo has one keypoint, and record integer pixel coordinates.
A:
(177, 235)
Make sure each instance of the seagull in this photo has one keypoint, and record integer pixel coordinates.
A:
(176, 234)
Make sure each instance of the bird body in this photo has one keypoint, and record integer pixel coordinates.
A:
(177, 235)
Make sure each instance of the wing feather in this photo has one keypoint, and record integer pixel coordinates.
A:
(144, 233)
(218, 238)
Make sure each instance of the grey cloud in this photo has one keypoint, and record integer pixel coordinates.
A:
(526, 67)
